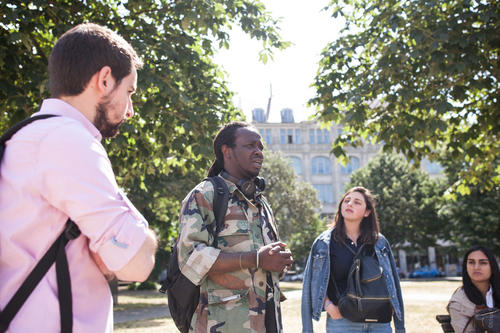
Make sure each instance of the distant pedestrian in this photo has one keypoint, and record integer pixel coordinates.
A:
(331, 257)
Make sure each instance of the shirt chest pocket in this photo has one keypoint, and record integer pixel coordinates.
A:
(235, 236)
(318, 261)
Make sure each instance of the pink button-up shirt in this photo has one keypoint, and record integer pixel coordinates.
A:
(53, 169)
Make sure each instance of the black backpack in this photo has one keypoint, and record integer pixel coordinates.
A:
(56, 253)
(183, 295)
(366, 299)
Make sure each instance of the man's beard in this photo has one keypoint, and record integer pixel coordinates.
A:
(103, 124)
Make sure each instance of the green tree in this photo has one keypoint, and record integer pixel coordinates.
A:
(407, 200)
(474, 218)
(295, 205)
(417, 76)
(182, 95)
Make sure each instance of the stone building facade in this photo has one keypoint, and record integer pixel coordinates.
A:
(308, 146)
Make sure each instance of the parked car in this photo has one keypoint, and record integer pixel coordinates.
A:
(426, 272)
(293, 276)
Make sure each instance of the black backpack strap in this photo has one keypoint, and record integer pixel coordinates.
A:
(56, 253)
(11, 131)
(221, 199)
(356, 255)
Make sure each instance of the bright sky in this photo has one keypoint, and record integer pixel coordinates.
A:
(292, 71)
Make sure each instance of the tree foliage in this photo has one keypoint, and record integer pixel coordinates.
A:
(295, 205)
(182, 95)
(407, 200)
(420, 76)
(472, 219)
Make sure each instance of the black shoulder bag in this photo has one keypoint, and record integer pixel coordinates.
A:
(366, 299)
(485, 321)
(56, 253)
(183, 295)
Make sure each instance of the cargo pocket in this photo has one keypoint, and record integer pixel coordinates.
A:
(235, 237)
(227, 296)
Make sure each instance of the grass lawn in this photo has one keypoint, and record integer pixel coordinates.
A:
(423, 300)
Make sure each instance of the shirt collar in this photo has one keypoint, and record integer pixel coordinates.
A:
(489, 297)
(61, 108)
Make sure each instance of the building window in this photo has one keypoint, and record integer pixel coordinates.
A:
(282, 136)
(319, 136)
(311, 136)
(268, 137)
(290, 136)
(325, 192)
(297, 136)
(351, 166)
(296, 163)
(321, 166)
(258, 115)
(287, 116)
(326, 136)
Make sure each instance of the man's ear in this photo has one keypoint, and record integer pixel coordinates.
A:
(105, 81)
(226, 151)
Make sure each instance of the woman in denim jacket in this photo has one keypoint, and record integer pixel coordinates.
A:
(356, 223)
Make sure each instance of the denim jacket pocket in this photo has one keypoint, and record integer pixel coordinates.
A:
(318, 261)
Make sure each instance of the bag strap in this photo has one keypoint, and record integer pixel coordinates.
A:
(468, 323)
(356, 255)
(220, 202)
(11, 131)
(56, 253)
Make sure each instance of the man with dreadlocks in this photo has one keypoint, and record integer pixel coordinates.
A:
(239, 290)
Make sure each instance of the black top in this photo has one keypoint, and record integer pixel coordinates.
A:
(341, 259)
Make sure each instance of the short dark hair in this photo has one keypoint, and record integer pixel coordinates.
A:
(369, 227)
(473, 294)
(225, 136)
(81, 52)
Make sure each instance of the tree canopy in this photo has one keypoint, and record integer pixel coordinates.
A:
(422, 77)
(407, 200)
(474, 218)
(295, 205)
(182, 96)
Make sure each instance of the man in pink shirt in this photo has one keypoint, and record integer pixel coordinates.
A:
(55, 169)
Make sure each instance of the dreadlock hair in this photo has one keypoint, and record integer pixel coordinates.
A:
(473, 294)
(225, 136)
(369, 226)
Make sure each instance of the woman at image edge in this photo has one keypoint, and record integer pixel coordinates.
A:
(480, 289)
(355, 223)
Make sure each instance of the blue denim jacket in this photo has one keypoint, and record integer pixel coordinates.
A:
(317, 274)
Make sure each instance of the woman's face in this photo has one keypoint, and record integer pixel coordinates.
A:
(354, 207)
(478, 267)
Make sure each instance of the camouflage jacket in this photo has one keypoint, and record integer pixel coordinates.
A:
(237, 302)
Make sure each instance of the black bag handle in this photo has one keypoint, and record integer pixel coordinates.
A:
(56, 253)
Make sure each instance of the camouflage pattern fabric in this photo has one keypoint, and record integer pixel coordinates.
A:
(237, 301)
